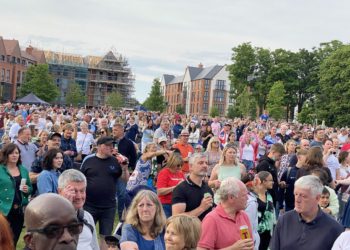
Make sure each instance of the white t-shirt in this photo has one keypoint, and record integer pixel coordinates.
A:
(84, 141)
(87, 240)
(342, 242)
(248, 152)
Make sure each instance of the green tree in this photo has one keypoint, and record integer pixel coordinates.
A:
(243, 62)
(246, 103)
(307, 114)
(155, 100)
(284, 70)
(115, 100)
(233, 112)
(275, 100)
(38, 81)
(75, 95)
(332, 101)
(180, 110)
(214, 111)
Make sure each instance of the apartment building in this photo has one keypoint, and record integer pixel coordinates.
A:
(13, 65)
(198, 90)
(97, 76)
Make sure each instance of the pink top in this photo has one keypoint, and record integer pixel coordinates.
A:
(220, 231)
(215, 128)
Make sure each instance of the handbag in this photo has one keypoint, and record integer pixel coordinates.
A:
(79, 156)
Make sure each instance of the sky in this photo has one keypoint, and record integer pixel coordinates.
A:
(164, 37)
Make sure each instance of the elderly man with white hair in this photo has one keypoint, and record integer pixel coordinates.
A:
(307, 226)
(228, 226)
(72, 185)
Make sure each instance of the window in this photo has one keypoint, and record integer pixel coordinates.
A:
(205, 107)
(18, 60)
(2, 57)
(3, 75)
(206, 96)
(18, 76)
(207, 84)
(220, 84)
(7, 75)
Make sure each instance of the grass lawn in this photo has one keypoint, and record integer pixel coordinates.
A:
(20, 244)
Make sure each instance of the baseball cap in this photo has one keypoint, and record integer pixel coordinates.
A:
(161, 139)
(54, 134)
(105, 140)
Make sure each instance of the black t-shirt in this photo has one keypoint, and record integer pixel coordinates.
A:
(191, 194)
(101, 176)
(17, 198)
(267, 164)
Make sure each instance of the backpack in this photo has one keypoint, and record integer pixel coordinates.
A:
(80, 215)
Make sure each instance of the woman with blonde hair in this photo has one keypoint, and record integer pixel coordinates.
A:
(290, 148)
(214, 153)
(144, 224)
(228, 166)
(84, 141)
(145, 166)
(168, 178)
(182, 232)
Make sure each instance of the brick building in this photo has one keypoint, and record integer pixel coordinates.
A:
(97, 76)
(13, 65)
(198, 90)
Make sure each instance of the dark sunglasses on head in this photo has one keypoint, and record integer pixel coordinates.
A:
(54, 231)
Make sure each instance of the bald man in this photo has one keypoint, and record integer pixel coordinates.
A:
(51, 224)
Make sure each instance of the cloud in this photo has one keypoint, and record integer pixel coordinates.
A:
(159, 37)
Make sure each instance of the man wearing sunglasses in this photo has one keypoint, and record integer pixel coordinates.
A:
(51, 223)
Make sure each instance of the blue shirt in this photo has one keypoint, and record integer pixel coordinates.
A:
(48, 181)
(129, 233)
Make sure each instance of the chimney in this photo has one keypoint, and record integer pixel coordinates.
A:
(200, 65)
(29, 50)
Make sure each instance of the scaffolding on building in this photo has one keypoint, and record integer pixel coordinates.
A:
(102, 75)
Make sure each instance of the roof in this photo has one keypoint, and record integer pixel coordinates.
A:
(168, 78)
(2, 47)
(12, 48)
(27, 55)
(193, 71)
(177, 79)
(208, 73)
(64, 58)
(31, 99)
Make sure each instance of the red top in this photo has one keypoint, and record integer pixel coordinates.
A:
(184, 150)
(220, 231)
(165, 179)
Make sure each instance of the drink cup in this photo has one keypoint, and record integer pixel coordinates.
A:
(23, 182)
(244, 232)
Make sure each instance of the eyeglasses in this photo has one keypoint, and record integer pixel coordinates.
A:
(54, 231)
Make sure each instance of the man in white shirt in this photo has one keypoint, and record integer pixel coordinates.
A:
(72, 185)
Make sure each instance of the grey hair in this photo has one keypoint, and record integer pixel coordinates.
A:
(70, 175)
(229, 186)
(84, 123)
(311, 182)
(196, 156)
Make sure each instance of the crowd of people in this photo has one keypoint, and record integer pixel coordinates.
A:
(171, 181)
